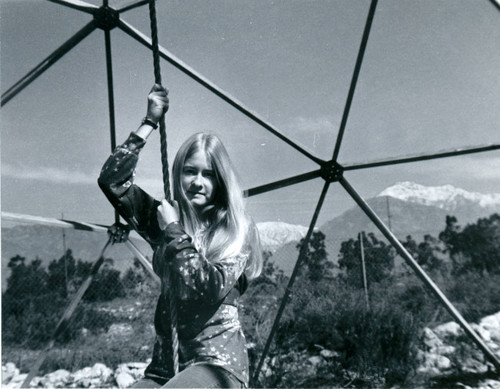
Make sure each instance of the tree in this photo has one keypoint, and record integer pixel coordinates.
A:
(476, 247)
(106, 284)
(428, 253)
(29, 307)
(271, 273)
(315, 257)
(134, 276)
(60, 272)
(26, 281)
(379, 260)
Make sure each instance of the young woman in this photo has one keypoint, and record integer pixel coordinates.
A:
(207, 242)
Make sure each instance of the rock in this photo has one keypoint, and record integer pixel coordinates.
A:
(473, 366)
(266, 370)
(81, 374)
(134, 369)
(445, 343)
(445, 350)
(16, 381)
(91, 376)
(489, 384)
(9, 370)
(492, 325)
(443, 363)
(434, 364)
(431, 340)
(327, 354)
(482, 332)
(56, 379)
(429, 371)
(450, 329)
(420, 356)
(102, 371)
(315, 360)
(124, 380)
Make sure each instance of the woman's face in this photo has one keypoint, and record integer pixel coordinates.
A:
(198, 180)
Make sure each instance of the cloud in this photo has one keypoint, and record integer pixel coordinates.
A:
(315, 134)
(48, 174)
(312, 124)
(482, 168)
(62, 176)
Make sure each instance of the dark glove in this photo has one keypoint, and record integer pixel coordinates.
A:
(119, 232)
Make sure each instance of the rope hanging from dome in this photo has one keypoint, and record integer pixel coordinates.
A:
(167, 286)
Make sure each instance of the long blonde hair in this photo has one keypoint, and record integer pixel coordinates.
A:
(228, 230)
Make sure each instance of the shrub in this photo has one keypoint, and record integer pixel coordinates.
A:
(475, 295)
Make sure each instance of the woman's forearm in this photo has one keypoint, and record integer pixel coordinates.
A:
(144, 131)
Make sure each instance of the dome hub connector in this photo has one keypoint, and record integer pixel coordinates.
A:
(106, 18)
(331, 171)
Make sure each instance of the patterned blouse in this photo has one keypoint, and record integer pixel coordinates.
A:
(207, 291)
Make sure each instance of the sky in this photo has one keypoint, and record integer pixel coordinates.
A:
(429, 82)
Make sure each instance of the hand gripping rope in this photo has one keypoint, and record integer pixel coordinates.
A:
(168, 291)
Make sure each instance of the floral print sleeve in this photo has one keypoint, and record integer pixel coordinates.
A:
(198, 278)
(132, 203)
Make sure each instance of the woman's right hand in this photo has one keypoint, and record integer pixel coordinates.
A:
(157, 103)
(167, 213)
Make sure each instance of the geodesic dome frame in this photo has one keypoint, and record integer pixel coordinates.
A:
(331, 171)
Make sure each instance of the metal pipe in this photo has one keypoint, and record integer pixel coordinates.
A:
(47, 62)
(132, 6)
(357, 68)
(496, 3)
(419, 272)
(295, 271)
(111, 98)
(16, 217)
(144, 261)
(146, 41)
(282, 183)
(363, 268)
(423, 157)
(76, 4)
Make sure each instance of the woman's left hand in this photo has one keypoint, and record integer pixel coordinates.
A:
(157, 103)
(167, 213)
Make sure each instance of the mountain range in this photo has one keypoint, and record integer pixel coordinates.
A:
(406, 208)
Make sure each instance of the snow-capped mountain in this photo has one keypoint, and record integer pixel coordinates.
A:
(276, 234)
(446, 197)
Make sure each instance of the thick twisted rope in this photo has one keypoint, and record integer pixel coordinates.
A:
(157, 72)
(167, 286)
